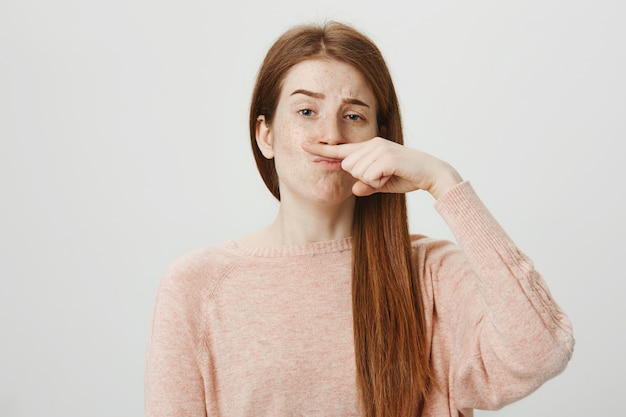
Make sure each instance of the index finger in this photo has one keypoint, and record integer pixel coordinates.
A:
(340, 151)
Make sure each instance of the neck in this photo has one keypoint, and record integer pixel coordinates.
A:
(298, 224)
(294, 225)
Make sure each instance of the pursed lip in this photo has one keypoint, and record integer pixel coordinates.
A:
(328, 163)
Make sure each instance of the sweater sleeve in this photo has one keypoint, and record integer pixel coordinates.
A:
(173, 381)
(507, 336)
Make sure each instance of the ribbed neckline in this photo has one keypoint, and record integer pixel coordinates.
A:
(305, 249)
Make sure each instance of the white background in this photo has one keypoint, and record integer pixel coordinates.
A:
(124, 144)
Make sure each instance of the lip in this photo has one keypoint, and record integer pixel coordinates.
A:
(328, 163)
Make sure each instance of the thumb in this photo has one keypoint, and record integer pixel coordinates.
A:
(360, 189)
(363, 189)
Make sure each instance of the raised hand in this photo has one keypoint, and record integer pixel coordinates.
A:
(383, 166)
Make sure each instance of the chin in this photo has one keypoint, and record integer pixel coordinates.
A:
(328, 190)
(334, 195)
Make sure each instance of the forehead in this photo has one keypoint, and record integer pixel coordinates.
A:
(327, 76)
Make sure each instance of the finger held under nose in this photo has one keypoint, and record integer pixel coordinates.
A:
(340, 151)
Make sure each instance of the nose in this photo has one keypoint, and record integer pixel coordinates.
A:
(330, 132)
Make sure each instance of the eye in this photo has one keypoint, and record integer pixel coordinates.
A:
(354, 117)
(306, 112)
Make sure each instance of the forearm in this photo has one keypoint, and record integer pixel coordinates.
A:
(515, 337)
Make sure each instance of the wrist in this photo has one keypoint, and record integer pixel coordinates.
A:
(447, 179)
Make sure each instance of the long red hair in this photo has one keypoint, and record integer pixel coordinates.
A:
(393, 372)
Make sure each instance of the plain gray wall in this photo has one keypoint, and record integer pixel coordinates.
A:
(123, 145)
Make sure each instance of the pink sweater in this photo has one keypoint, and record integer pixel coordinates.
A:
(268, 332)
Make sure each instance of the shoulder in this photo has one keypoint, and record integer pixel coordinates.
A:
(436, 259)
(200, 270)
(431, 249)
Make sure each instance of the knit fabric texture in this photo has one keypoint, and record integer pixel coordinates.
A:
(242, 332)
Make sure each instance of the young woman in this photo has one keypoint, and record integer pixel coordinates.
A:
(335, 309)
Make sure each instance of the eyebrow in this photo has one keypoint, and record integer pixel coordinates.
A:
(321, 96)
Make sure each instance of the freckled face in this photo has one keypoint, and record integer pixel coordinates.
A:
(321, 101)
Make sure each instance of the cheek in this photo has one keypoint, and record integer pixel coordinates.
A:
(288, 139)
(369, 134)
(360, 134)
(290, 159)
